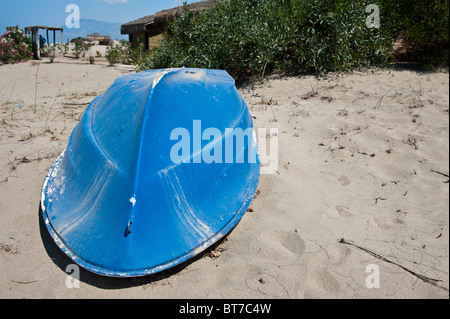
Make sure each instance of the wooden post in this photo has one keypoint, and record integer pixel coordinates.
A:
(38, 43)
(54, 37)
(147, 41)
(62, 37)
(48, 39)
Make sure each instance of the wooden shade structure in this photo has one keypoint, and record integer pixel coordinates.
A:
(33, 31)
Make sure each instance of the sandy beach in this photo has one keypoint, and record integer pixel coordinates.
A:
(361, 184)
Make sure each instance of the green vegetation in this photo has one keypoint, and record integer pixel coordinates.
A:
(258, 37)
(114, 54)
(125, 54)
(79, 40)
(15, 46)
(50, 52)
(81, 48)
(423, 28)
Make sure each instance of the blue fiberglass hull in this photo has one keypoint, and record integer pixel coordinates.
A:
(117, 203)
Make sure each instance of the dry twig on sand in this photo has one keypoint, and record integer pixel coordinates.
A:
(426, 279)
(35, 89)
(48, 115)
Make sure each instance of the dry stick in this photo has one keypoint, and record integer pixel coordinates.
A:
(264, 70)
(13, 81)
(9, 99)
(426, 279)
(77, 104)
(48, 115)
(434, 171)
(35, 89)
(13, 167)
(12, 108)
(437, 172)
(274, 117)
(36, 280)
(381, 99)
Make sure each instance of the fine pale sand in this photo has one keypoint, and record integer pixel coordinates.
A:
(360, 186)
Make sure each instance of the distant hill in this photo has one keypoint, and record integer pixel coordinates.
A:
(94, 26)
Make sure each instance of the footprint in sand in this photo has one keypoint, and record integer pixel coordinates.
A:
(291, 241)
(339, 211)
(337, 254)
(320, 282)
(343, 211)
(281, 244)
(343, 180)
(386, 222)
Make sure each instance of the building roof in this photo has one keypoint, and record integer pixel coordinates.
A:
(43, 27)
(165, 16)
(162, 17)
(136, 25)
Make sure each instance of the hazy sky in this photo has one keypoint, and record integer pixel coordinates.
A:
(53, 12)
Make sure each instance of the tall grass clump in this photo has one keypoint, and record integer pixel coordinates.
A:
(257, 37)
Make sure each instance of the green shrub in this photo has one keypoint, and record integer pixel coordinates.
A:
(256, 37)
(50, 52)
(423, 27)
(125, 54)
(15, 46)
(80, 48)
(134, 56)
(114, 54)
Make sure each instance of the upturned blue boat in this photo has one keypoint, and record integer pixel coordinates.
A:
(160, 167)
